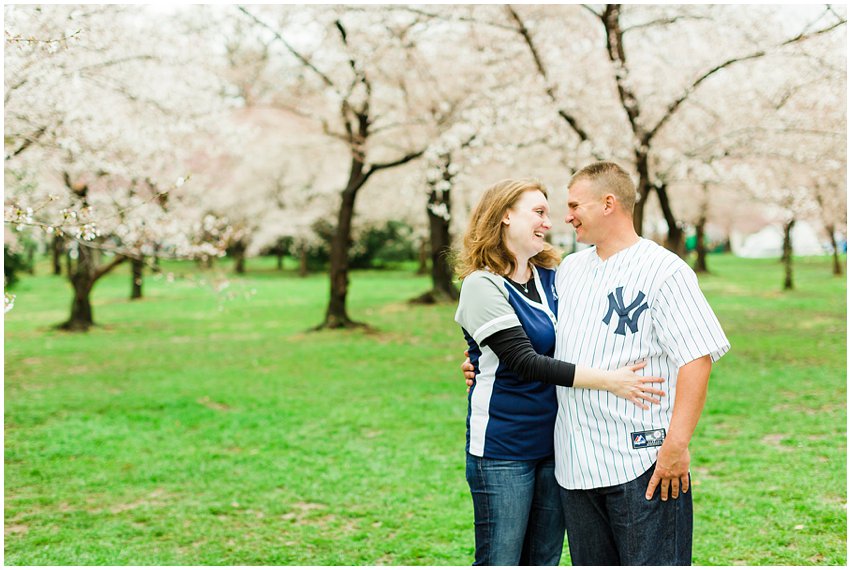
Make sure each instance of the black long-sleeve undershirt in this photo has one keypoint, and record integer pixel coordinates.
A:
(514, 349)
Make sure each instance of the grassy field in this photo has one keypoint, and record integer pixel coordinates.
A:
(191, 428)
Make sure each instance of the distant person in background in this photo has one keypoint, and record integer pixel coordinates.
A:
(507, 311)
(624, 300)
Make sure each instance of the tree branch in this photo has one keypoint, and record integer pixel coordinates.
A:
(28, 141)
(453, 18)
(103, 270)
(617, 55)
(662, 22)
(398, 162)
(520, 28)
(672, 108)
(306, 62)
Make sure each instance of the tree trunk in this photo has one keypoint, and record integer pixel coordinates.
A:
(423, 257)
(788, 284)
(831, 232)
(31, 259)
(336, 317)
(280, 259)
(138, 266)
(700, 246)
(57, 248)
(674, 241)
(238, 251)
(82, 279)
(81, 309)
(643, 189)
(441, 268)
(443, 288)
(439, 212)
(155, 259)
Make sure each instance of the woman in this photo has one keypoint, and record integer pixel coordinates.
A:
(507, 312)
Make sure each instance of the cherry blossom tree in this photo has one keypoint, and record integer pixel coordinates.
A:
(660, 60)
(368, 106)
(103, 108)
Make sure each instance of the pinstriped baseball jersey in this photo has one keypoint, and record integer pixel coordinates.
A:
(508, 418)
(641, 304)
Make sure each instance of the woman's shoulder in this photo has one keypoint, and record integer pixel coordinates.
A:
(482, 280)
(480, 274)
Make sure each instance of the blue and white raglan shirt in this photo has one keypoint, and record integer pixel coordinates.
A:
(508, 417)
(641, 304)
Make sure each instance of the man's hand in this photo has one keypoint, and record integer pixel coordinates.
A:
(671, 472)
(468, 370)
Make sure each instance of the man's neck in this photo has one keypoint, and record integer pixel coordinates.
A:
(615, 242)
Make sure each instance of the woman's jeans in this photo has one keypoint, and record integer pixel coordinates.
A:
(518, 512)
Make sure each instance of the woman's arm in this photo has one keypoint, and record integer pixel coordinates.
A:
(515, 350)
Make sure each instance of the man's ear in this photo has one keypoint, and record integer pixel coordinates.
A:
(609, 203)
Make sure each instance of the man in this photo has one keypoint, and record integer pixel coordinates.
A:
(624, 471)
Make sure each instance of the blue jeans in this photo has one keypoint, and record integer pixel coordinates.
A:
(518, 515)
(616, 525)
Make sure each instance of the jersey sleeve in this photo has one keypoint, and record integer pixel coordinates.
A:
(514, 348)
(686, 325)
(483, 308)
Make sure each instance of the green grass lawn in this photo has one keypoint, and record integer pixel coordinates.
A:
(194, 427)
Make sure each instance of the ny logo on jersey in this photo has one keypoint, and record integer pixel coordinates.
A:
(617, 305)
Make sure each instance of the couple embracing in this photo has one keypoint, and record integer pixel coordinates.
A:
(563, 433)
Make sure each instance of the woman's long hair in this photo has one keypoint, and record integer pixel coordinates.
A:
(484, 240)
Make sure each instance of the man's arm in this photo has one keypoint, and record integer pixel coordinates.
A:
(673, 460)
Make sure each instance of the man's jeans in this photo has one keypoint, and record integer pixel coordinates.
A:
(616, 525)
(517, 511)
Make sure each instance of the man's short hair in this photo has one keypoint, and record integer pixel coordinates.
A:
(609, 177)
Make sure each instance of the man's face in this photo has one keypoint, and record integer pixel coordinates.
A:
(585, 211)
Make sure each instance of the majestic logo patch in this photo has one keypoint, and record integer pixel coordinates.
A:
(617, 305)
(649, 438)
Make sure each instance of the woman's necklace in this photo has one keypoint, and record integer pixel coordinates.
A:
(524, 286)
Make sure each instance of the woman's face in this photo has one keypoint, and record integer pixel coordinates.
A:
(526, 224)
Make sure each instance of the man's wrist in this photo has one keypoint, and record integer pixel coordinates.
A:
(674, 443)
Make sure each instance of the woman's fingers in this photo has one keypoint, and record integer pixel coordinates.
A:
(639, 403)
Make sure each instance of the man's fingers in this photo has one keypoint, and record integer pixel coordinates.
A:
(637, 366)
(651, 487)
(685, 483)
(675, 488)
(663, 489)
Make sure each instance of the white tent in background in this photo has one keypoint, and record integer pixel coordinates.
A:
(768, 242)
